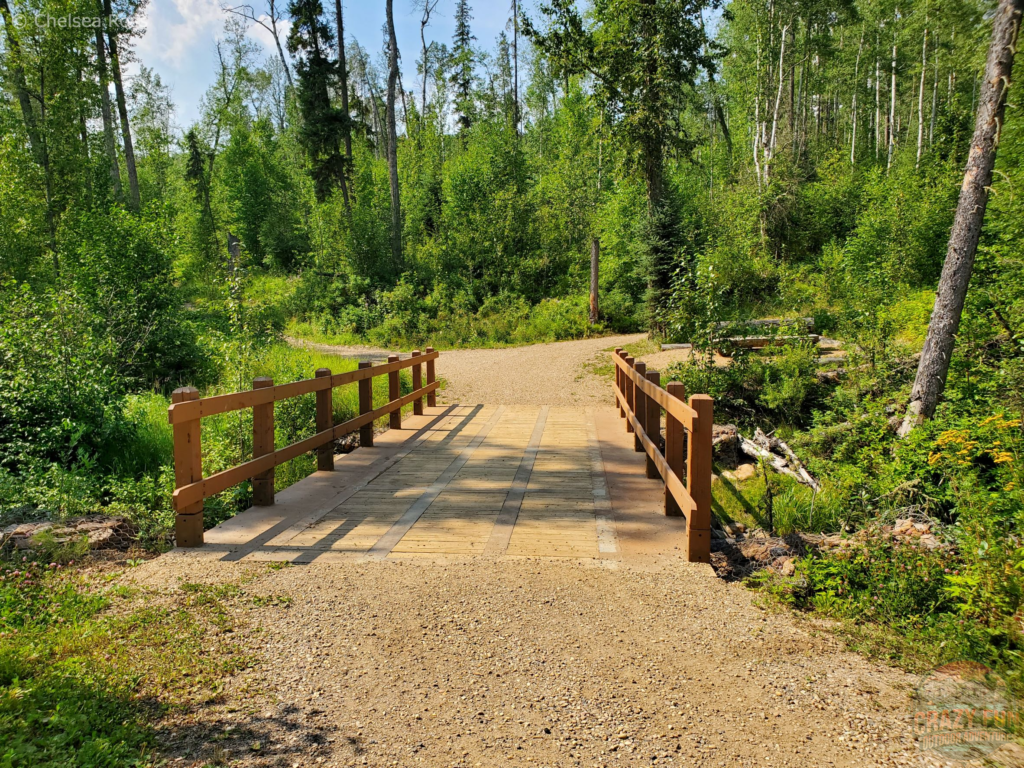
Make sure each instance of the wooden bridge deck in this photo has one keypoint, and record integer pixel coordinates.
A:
(468, 480)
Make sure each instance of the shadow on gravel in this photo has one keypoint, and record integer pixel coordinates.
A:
(276, 736)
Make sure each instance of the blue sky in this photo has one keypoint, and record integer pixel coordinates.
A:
(180, 36)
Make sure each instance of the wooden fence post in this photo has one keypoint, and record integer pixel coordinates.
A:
(417, 383)
(639, 407)
(262, 444)
(366, 406)
(674, 446)
(188, 469)
(653, 425)
(431, 396)
(698, 480)
(630, 391)
(617, 355)
(394, 393)
(324, 421)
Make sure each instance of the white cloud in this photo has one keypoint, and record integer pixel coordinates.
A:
(174, 40)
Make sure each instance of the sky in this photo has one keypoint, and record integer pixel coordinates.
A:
(180, 36)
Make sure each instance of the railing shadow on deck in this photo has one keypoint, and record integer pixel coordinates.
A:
(187, 411)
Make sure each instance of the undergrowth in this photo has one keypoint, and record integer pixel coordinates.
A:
(89, 667)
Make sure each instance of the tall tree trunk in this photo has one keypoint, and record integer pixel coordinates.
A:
(856, 87)
(756, 143)
(935, 97)
(792, 88)
(425, 52)
(108, 119)
(515, 61)
(20, 82)
(595, 258)
(970, 214)
(277, 42)
(878, 102)
(343, 83)
(396, 207)
(892, 103)
(920, 99)
(134, 199)
(778, 100)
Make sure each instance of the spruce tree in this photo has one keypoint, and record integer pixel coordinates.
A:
(323, 126)
(463, 59)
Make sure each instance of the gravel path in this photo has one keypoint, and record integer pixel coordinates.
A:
(560, 373)
(515, 662)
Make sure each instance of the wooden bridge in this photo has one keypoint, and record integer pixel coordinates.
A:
(459, 479)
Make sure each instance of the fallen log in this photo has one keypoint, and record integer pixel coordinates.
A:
(769, 448)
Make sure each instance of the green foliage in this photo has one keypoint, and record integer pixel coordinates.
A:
(777, 387)
(323, 125)
(82, 683)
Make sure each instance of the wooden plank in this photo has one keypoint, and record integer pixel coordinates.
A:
(618, 378)
(417, 383)
(629, 389)
(397, 531)
(188, 469)
(640, 406)
(366, 406)
(263, 444)
(236, 401)
(652, 427)
(431, 378)
(501, 534)
(394, 393)
(672, 482)
(674, 447)
(214, 484)
(698, 481)
(679, 409)
(324, 422)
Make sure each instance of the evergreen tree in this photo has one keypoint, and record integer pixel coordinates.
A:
(463, 63)
(323, 126)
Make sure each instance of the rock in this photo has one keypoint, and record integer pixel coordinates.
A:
(725, 441)
(902, 526)
(102, 532)
(929, 541)
(785, 565)
(745, 472)
(734, 529)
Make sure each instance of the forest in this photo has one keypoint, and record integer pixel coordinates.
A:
(734, 161)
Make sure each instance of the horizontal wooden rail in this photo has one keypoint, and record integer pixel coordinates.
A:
(673, 483)
(672, 405)
(187, 409)
(640, 400)
(237, 401)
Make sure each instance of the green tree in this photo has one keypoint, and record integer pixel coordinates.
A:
(323, 126)
(645, 57)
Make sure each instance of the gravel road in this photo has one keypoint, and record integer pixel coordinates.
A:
(533, 662)
(509, 661)
(540, 374)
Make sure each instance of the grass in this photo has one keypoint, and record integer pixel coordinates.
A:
(795, 507)
(89, 668)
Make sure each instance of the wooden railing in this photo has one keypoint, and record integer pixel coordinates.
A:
(187, 409)
(641, 399)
